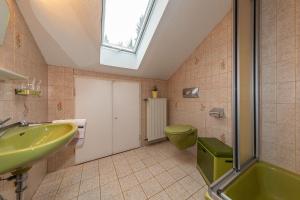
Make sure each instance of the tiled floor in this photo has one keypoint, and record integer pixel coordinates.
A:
(155, 172)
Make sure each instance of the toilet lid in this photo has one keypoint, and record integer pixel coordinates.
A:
(177, 129)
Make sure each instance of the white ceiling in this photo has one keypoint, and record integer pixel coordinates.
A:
(68, 33)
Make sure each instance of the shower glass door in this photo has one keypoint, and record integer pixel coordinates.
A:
(244, 82)
(245, 96)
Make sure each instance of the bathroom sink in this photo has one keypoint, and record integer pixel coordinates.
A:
(20, 147)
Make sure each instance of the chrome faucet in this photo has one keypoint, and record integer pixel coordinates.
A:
(4, 121)
(23, 123)
(4, 128)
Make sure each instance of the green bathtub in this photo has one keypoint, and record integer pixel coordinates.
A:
(264, 181)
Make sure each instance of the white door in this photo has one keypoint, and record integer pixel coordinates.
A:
(126, 116)
(93, 101)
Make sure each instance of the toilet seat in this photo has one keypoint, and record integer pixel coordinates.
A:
(182, 136)
(179, 129)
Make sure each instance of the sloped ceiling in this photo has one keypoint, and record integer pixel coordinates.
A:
(68, 32)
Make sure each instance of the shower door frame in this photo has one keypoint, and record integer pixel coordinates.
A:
(216, 189)
(238, 166)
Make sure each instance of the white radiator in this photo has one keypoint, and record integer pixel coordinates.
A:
(156, 118)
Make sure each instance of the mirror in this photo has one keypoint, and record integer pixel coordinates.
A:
(4, 19)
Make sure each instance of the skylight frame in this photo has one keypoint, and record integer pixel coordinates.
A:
(140, 36)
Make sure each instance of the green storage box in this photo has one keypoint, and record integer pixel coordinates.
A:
(214, 158)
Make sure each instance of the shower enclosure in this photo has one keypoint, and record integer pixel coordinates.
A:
(265, 58)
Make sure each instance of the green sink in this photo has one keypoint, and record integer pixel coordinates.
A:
(20, 147)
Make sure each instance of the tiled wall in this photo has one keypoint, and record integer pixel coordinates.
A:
(280, 91)
(22, 56)
(61, 102)
(209, 68)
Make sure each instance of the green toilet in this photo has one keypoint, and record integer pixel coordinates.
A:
(182, 136)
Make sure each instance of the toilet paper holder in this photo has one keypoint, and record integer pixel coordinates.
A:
(217, 113)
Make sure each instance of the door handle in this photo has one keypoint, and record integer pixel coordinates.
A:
(115, 117)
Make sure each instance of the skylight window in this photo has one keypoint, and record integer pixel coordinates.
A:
(124, 23)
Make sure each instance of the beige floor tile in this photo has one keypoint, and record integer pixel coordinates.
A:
(188, 168)
(90, 173)
(176, 192)
(90, 165)
(198, 178)
(48, 196)
(156, 169)
(143, 175)
(137, 166)
(54, 177)
(121, 164)
(149, 162)
(133, 159)
(90, 195)
(109, 166)
(177, 173)
(151, 187)
(89, 184)
(118, 157)
(123, 171)
(108, 177)
(190, 185)
(160, 196)
(70, 180)
(110, 190)
(105, 164)
(191, 198)
(142, 154)
(200, 194)
(165, 179)
(68, 192)
(159, 158)
(107, 169)
(8, 194)
(135, 193)
(46, 188)
(130, 153)
(168, 164)
(72, 171)
(128, 182)
(114, 197)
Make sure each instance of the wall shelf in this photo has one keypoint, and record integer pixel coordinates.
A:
(9, 75)
(25, 92)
